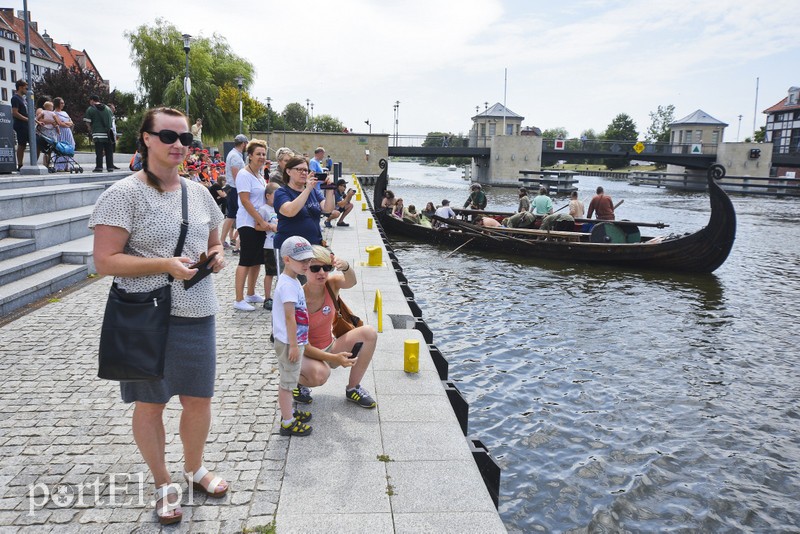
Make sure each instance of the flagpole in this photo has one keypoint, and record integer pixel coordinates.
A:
(755, 109)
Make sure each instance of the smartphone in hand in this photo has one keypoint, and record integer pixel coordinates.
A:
(355, 350)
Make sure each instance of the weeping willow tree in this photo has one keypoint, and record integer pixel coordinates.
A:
(158, 54)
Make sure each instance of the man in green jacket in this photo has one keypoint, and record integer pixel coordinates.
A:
(100, 120)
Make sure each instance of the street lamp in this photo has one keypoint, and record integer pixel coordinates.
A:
(396, 121)
(308, 103)
(269, 108)
(187, 83)
(368, 124)
(739, 128)
(239, 82)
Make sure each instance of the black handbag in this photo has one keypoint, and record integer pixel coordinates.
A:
(133, 339)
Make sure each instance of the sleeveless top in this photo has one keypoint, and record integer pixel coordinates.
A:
(320, 323)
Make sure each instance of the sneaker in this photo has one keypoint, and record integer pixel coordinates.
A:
(268, 304)
(254, 299)
(236, 252)
(328, 224)
(302, 394)
(303, 417)
(243, 306)
(226, 245)
(361, 397)
(295, 428)
(342, 224)
(98, 169)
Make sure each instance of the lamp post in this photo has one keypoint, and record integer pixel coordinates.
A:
(269, 109)
(308, 112)
(34, 168)
(739, 128)
(239, 82)
(368, 124)
(396, 121)
(187, 83)
(312, 115)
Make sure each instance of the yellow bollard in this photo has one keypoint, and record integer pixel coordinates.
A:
(369, 223)
(363, 206)
(375, 254)
(358, 196)
(411, 356)
(378, 307)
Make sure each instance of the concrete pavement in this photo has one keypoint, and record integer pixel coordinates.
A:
(68, 462)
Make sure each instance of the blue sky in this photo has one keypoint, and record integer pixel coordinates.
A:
(571, 64)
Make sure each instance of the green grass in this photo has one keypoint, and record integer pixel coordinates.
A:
(384, 458)
(261, 529)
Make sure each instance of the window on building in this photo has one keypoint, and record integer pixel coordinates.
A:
(794, 144)
(3, 73)
(483, 130)
(12, 56)
(13, 75)
(698, 136)
(36, 69)
(5, 94)
(2, 53)
(492, 129)
(509, 129)
(715, 137)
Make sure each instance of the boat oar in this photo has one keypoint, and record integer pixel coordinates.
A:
(561, 208)
(618, 204)
(465, 243)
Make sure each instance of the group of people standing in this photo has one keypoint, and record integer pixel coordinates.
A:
(136, 225)
(54, 125)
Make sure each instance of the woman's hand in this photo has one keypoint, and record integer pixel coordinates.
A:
(311, 182)
(218, 263)
(344, 360)
(178, 268)
(340, 264)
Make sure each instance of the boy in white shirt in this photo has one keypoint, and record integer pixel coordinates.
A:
(270, 264)
(290, 328)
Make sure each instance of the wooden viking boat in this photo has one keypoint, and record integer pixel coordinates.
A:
(610, 242)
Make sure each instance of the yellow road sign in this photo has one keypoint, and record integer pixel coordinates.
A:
(638, 147)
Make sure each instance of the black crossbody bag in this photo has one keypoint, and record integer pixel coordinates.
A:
(133, 339)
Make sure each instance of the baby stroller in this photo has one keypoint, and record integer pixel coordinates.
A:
(58, 154)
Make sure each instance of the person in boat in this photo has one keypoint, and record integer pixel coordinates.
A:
(576, 209)
(602, 205)
(523, 219)
(524, 201)
(488, 222)
(445, 212)
(429, 210)
(397, 210)
(477, 199)
(558, 221)
(388, 199)
(324, 351)
(542, 203)
(410, 214)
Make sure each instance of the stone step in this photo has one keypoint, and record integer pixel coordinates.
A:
(17, 268)
(49, 229)
(11, 247)
(38, 285)
(25, 201)
(16, 181)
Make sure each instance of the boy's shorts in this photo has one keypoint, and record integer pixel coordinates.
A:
(270, 265)
(289, 372)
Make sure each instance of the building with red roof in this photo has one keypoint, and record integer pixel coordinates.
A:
(13, 65)
(783, 124)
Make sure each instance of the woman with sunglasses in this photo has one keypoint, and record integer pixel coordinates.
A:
(324, 352)
(137, 224)
(250, 186)
(299, 204)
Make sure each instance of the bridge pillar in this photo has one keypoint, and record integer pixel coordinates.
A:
(509, 155)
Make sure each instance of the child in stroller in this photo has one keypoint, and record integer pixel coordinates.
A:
(57, 153)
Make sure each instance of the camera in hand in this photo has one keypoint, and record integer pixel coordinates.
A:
(321, 176)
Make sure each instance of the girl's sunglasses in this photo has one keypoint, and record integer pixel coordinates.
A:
(316, 268)
(170, 136)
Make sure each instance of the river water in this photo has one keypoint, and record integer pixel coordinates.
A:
(617, 400)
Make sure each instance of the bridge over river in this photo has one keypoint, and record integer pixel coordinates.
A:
(691, 156)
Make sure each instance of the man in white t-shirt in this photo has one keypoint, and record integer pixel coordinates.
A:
(445, 212)
(234, 162)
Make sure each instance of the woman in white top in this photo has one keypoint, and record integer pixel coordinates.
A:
(250, 186)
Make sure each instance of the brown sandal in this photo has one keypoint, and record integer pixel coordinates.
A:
(196, 480)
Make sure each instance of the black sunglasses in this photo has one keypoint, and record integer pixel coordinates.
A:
(316, 268)
(170, 136)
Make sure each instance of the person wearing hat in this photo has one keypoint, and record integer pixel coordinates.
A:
(234, 162)
(290, 330)
(477, 199)
(343, 204)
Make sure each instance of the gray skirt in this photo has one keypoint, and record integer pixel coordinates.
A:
(191, 363)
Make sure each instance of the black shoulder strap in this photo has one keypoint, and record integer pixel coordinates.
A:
(184, 221)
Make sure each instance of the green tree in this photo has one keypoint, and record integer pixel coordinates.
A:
(760, 135)
(269, 121)
(659, 124)
(326, 123)
(157, 52)
(295, 117)
(555, 133)
(621, 129)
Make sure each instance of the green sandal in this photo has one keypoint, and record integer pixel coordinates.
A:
(297, 428)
